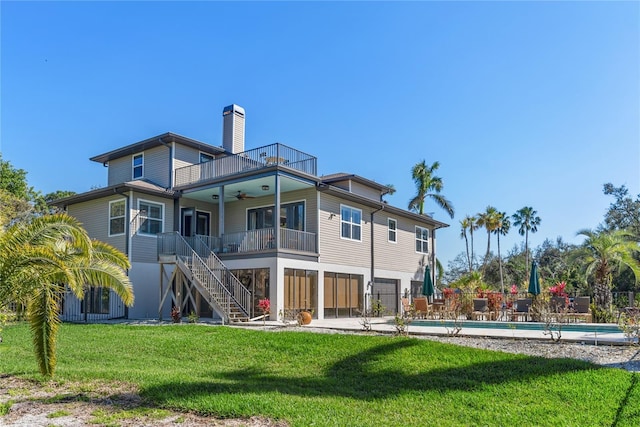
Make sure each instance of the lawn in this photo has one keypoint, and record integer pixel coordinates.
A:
(325, 380)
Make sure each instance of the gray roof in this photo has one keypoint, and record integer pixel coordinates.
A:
(139, 185)
(341, 176)
(156, 141)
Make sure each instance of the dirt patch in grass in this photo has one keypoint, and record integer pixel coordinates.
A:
(29, 403)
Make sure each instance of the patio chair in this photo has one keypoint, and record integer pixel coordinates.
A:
(421, 305)
(557, 304)
(581, 309)
(521, 310)
(481, 309)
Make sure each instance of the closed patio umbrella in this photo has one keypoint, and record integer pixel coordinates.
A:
(427, 284)
(534, 282)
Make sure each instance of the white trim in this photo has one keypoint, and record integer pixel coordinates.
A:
(137, 232)
(394, 230)
(415, 239)
(133, 166)
(124, 217)
(352, 223)
(200, 153)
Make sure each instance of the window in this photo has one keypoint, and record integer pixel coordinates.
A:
(151, 217)
(300, 289)
(422, 240)
(291, 217)
(350, 219)
(138, 166)
(116, 217)
(96, 301)
(393, 230)
(204, 157)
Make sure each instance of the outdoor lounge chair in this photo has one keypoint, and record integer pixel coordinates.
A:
(421, 305)
(581, 309)
(521, 310)
(481, 309)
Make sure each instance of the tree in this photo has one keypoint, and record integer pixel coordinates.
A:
(602, 253)
(624, 213)
(503, 225)
(528, 221)
(37, 260)
(489, 220)
(14, 181)
(464, 226)
(428, 185)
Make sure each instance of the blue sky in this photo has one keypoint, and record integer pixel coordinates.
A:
(522, 103)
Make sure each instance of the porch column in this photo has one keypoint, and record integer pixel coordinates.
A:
(276, 214)
(221, 213)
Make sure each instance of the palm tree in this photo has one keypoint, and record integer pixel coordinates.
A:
(604, 252)
(464, 226)
(503, 226)
(428, 185)
(528, 221)
(37, 260)
(489, 220)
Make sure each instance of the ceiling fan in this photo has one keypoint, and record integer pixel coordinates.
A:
(243, 196)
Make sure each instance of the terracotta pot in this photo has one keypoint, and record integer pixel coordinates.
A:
(305, 317)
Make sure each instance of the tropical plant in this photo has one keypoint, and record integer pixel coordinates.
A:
(428, 185)
(527, 221)
(502, 228)
(37, 260)
(601, 254)
(469, 223)
(489, 219)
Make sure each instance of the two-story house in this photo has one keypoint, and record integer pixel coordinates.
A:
(213, 230)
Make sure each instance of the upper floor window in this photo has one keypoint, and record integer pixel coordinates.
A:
(116, 217)
(138, 166)
(393, 230)
(151, 217)
(422, 240)
(350, 222)
(291, 217)
(204, 157)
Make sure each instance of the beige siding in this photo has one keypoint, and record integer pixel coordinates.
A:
(185, 156)
(94, 216)
(155, 167)
(119, 170)
(399, 256)
(144, 248)
(333, 248)
(365, 191)
(236, 212)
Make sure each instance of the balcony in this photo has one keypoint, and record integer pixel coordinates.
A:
(245, 242)
(251, 160)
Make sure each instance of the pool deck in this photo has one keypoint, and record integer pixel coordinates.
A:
(386, 325)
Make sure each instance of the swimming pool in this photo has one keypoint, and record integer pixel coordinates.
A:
(601, 328)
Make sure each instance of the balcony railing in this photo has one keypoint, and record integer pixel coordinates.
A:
(258, 158)
(263, 239)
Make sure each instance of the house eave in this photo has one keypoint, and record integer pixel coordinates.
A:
(153, 142)
(343, 194)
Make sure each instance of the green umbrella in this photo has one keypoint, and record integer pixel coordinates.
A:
(534, 282)
(427, 284)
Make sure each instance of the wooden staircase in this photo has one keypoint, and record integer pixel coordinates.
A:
(205, 273)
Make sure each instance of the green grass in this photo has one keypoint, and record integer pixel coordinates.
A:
(325, 380)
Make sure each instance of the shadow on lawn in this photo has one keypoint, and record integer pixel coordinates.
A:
(357, 377)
